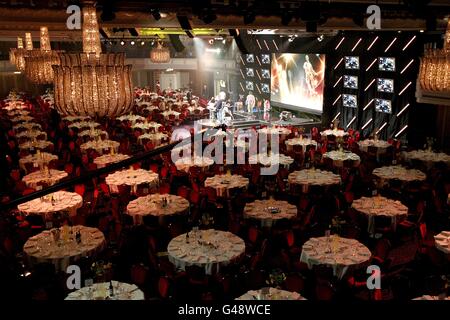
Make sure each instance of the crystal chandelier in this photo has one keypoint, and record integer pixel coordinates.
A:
(434, 73)
(92, 83)
(160, 54)
(38, 63)
(17, 55)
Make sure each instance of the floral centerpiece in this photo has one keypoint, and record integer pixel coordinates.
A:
(276, 278)
(101, 270)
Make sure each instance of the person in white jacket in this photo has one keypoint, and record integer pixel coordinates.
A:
(250, 102)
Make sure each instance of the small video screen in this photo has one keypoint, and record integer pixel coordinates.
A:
(249, 85)
(386, 64)
(265, 58)
(265, 88)
(265, 73)
(249, 72)
(349, 101)
(385, 85)
(382, 105)
(351, 62)
(350, 82)
(249, 58)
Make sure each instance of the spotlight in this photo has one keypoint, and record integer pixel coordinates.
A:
(211, 41)
(142, 43)
(224, 41)
(291, 38)
(122, 43)
(153, 42)
(132, 42)
(249, 17)
(421, 31)
(155, 13)
(320, 38)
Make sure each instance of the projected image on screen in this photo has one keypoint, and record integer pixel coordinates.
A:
(351, 62)
(249, 85)
(298, 80)
(249, 72)
(382, 105)
(349, 101)
(249, 58)
(351, 82)
(265, 58)
(265, 88)
(386, 64)
(385, 85)
(265, 73)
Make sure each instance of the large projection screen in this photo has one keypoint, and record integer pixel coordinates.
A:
(297, 81)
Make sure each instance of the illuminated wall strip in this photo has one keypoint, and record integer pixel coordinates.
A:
(258, 89)
(367, 105)
(258, 74)
(407, 45)
(242, 73)
(337, 99)
(357, 43)
(381, 128)
(339, 44)
(257, 59)
(351, 121)
(403, 109)
(259, 45)
(242, 87)
(367, 123)
(267, 46)
(242, 60)
(370, 66)
(373, 42)
(390, 45)
(407, 66)
(337, 82)
(275, 44)
(371, 83)
(335, 117)
(340, 61)
(406, 87)
(400, 132)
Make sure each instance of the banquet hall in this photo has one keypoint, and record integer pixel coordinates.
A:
(225, 151)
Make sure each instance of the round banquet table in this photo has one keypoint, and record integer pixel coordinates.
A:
(106, 159)
(20, 118)
(93, 133)
(427, 157)
(84, 124)
(42, 248)
(339, 253)
(209, 249)
(185, 163)
(155, 138)
(338, 158)
(44, 206)
(14, 113)
(334, 132)
(442, 241)
(380, 145)
(380, 206)
(223, 183)
(27, 126)
(100, 145)
(131, 177)
(192, 109)
(100, 291)
(271, 160)
(270, 294)
(38, 160)
(78, 119)
(168, 113)
(270, 210)
(32, 134)
(39, 144)
(51, 177)
(400, 173)
(282, 131)
(310, 177)
(428, 297)
(304, 142)
(152, 204)
(130, 117)
(146, 126)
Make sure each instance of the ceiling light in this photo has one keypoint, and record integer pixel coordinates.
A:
(122, 43)
(132, 42)
(320, 38)
(142, 43)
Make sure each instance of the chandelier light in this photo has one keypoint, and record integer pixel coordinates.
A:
(13, 52)
(434, 73)
(38, 63)
(160, 54)
(92, 83)
(17, 55)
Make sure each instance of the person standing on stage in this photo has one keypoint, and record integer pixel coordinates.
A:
(250, 102)
(266, 110)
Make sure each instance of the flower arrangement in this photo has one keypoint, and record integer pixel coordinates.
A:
(337, 224)
(100, 268)
(276, 278)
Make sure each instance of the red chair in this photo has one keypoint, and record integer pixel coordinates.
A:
(15, 175)
(68, 168)
(80, 189)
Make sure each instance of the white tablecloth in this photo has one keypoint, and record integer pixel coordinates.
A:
(224, 248)
(100, 291)
(381, 145)
(185, 163)
(338, 158)
(100, 145)
(32, 134)
(155, 138)
(268, 211)
(84, 124)
(21, 118)
(152, 204)
(309, 177)
(131, 117)
(224, 182)
(43, 249)
(168, 113)
(304, 142)
(13, 113)
(334, 132)
(272, 159)
(106, 159)
(131, 177)
(336, 252)
(275, 130)
(27, 126)
(51, 177)
(39, 144)
(442, 241)
(192, 109)
(380, 206)
(400, 173)
(93, 134)
(272, 294)
(79, 119)
(428, 157)
(37, 159)
(146, 126)
(62, 201)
